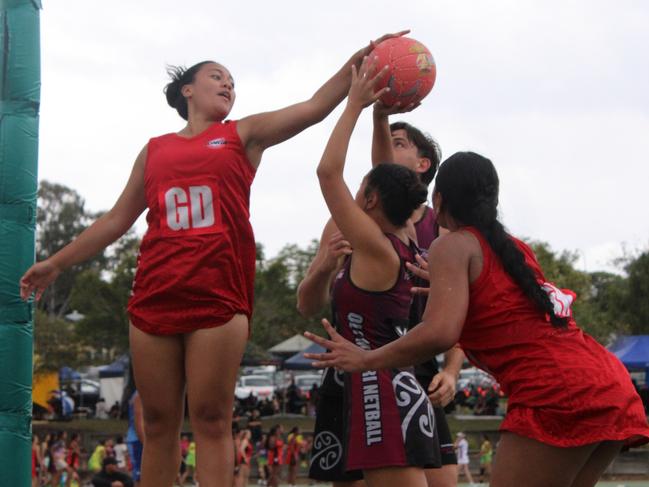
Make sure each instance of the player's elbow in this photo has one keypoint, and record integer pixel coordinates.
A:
(325, 174)
(443, 343)
(303, 309)
(439, 339)
(117, 223)
(305, 306)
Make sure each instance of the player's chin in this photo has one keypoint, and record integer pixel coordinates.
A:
(222, 110)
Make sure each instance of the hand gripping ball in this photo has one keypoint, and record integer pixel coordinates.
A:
(411, 70)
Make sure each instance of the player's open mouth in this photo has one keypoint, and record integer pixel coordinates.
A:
(225, 95)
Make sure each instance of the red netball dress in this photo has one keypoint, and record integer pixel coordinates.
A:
(564, 388)
(196, 265)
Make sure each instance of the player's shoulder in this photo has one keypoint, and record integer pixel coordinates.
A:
(457, 243)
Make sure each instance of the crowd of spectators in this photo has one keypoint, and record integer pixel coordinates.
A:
(59, 460)
(291, 400)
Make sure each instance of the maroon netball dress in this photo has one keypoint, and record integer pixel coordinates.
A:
(388, 420)
(564, 388)
(196, 265)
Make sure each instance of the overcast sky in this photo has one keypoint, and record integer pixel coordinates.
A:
(555, 93)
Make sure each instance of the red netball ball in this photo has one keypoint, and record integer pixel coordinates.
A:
(411, 70)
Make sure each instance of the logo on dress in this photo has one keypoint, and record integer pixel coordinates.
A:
(217, 143)
(561, 299)
(189, 207)
(327, 450)
(409, 394)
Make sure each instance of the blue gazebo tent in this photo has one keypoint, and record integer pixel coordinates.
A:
(68, 374)
(299, 361)
(117, 369)
(633, 352)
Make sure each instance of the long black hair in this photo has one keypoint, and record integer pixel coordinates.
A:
(468, 184)
(181, 76)
(399, 190)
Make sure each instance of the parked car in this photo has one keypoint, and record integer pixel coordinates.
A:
(260, 386)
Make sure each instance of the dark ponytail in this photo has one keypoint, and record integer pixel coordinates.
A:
(180, 76)
(399, 189)
(469, 185)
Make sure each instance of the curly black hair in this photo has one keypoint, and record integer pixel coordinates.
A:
(399, 189)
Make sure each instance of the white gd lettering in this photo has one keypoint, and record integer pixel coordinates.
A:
(198, 206)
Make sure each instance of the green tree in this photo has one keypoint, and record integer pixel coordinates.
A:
(275, 314)
(61, 217)
(636, 301)
(55, 343)
(102, 297)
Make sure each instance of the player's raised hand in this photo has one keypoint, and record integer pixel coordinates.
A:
(335, 250)
(359, 55)
(37, 278)
(382, 110)
(362, 92)
(384, 37)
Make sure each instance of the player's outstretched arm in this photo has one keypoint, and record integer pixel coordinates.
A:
(108, 228)
(263, 130)
(359, 229)
(382, 149)
(313, 292)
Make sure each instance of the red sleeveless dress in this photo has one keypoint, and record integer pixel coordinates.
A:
(564, 388)
(196, 265)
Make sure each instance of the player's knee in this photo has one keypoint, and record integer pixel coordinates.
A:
(160, 423)
(212, 420)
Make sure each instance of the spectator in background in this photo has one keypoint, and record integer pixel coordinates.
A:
(132, 410)
(274, 447)
(110, 476)
(73, 458)
(110, 447)
(486, 455)
(114, 410)
(101, 410)
(254, 425)
(121, 454)
(37, 461)
(134, 435)
(294, 445)
(314, 394)
(244, 454)
(462, 452)
(294, 400)
(190, 461)
(184, 446)
(262, 460)
(57, 455)
(96, 459)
